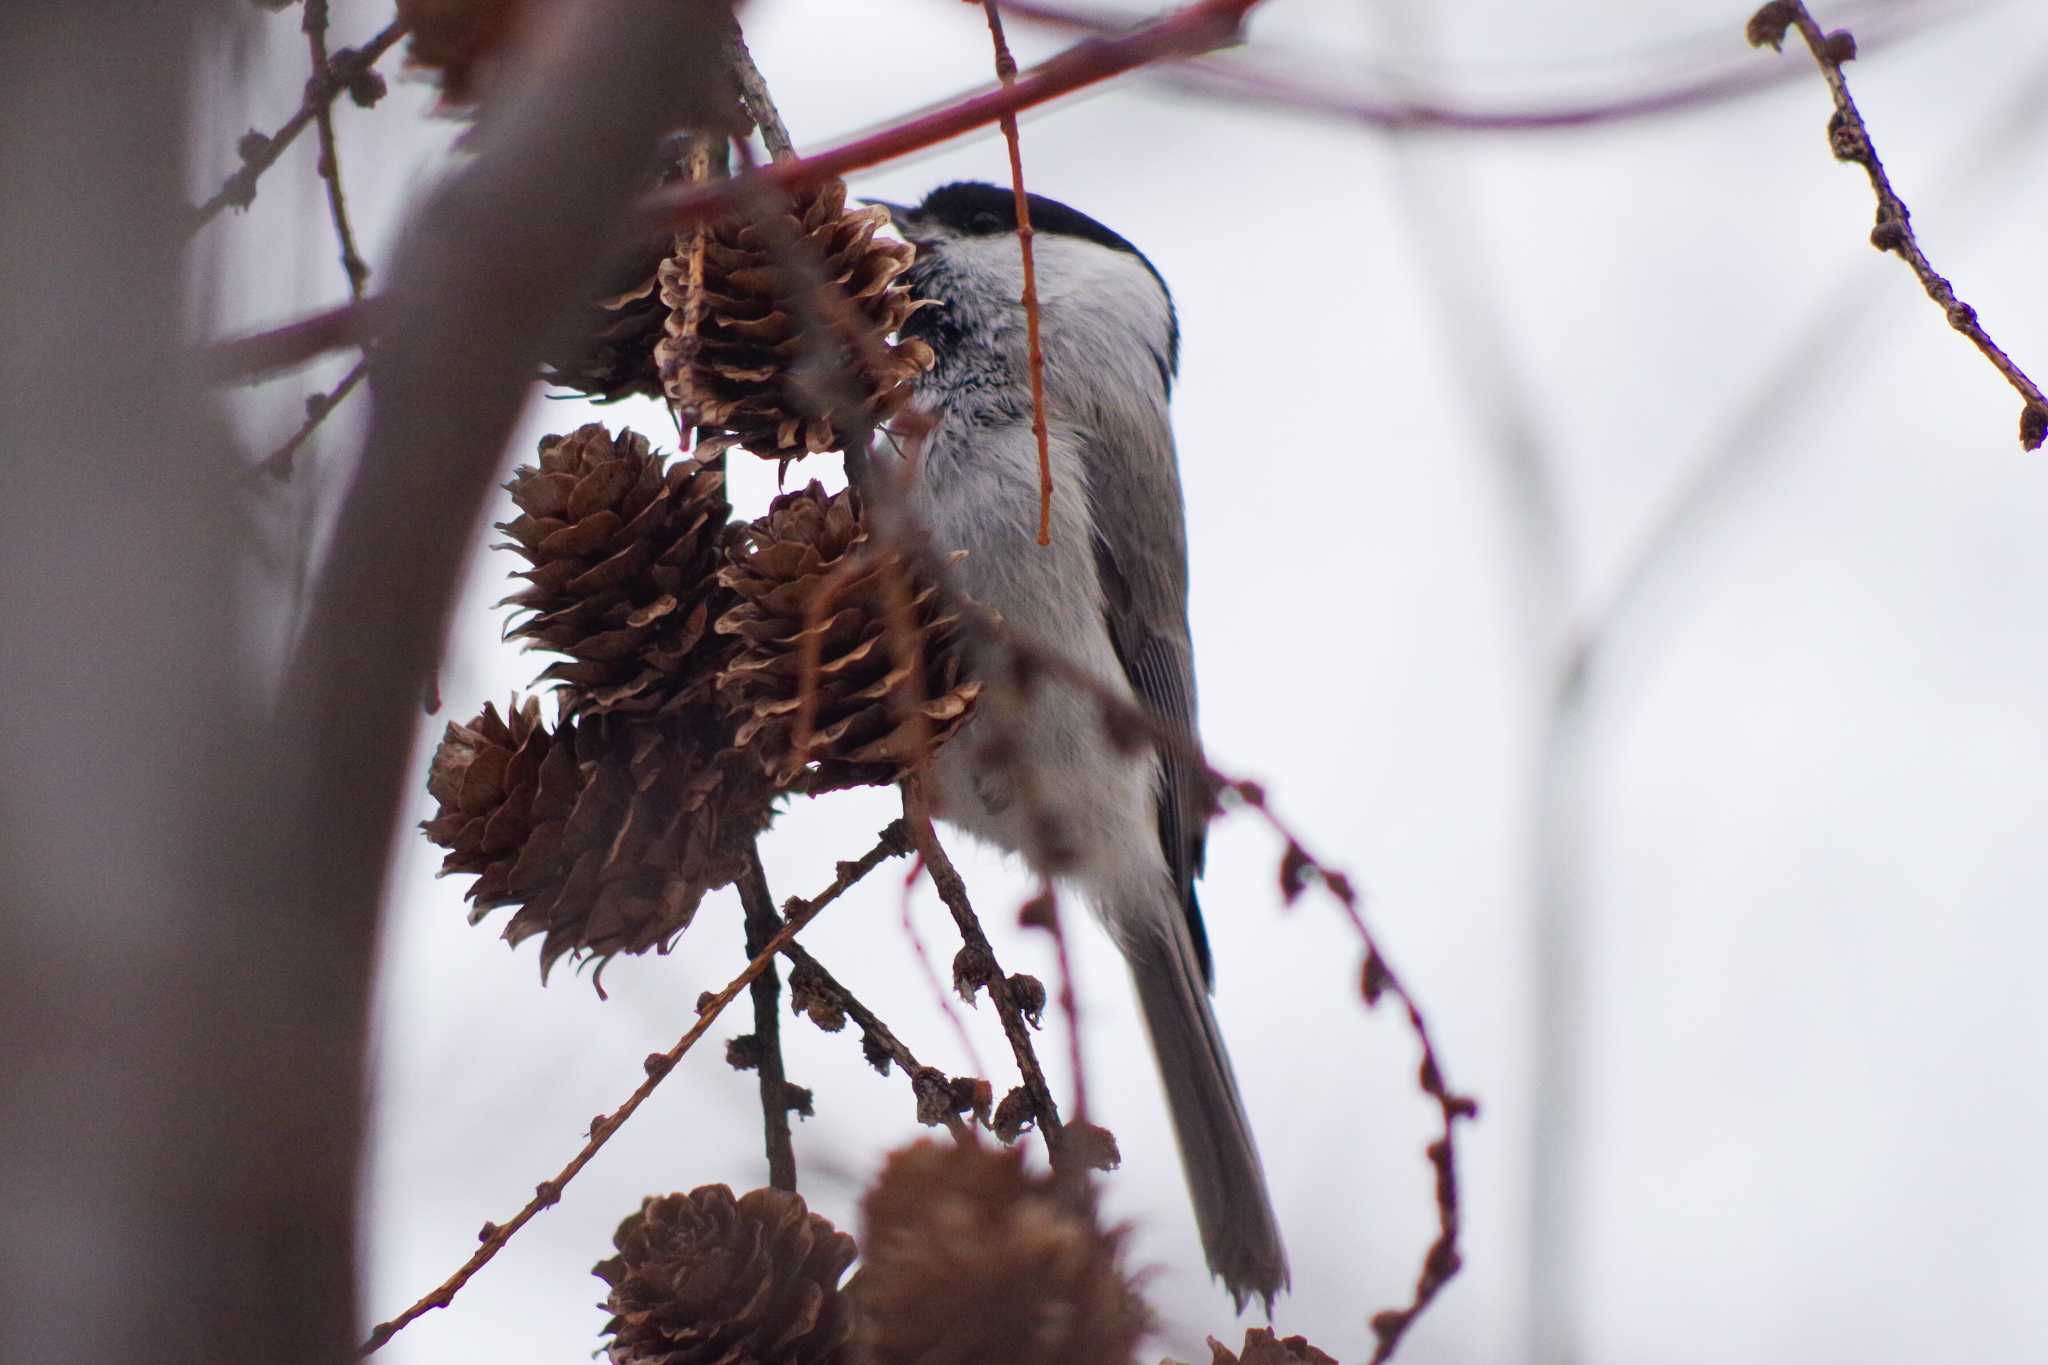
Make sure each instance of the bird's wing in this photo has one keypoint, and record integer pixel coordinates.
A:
(1141, 558)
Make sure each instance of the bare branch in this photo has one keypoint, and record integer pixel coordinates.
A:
(1850, 140)
(763, 925)
(891, 844)
(259, 152)
(953, 891)
(754, 94)
(314, 23)
(877, 1038)
(278, 464)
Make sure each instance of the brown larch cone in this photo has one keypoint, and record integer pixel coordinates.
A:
(485, 777)
(613, 355)
(968, 1257)
(624, 580)
(875, 716)
(788, 343)
(1261, 1347)
(606, 834)
(459, 40)
(706, 1279)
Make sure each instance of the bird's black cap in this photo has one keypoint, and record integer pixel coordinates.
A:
(976, 208)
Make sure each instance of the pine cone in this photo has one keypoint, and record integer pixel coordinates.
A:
(704, 1278)
(875, 717)
(605, 834)
(460, 40)
(614, 358)
(625, 558)
(968, 1257)
(791, 339)
(1261, 1347)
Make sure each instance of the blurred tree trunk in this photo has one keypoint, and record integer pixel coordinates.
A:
(190, 888)
(180, 1033)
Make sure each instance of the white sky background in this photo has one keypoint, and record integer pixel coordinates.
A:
(1814, 758)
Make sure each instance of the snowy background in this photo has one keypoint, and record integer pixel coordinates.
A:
(1734, 932)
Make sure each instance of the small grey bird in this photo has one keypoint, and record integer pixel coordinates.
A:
(1043, 778)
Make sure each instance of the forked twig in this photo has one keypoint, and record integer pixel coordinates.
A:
(878, 1041)
(892, 843)
(1849, 138)
(763, 925)
(260, 152)
(952, 890)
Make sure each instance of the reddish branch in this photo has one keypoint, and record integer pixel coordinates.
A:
(1378, 980)
(1198, 28)
(1006, 74)
(798, 914)
(1850, 139)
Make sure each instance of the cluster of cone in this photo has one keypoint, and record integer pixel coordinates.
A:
(707, 668)
(965, 1256)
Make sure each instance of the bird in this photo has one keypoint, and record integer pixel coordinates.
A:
(1036, 771)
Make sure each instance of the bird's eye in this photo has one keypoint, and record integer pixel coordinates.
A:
(988, 220)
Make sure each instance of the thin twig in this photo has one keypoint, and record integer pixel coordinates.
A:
(1377, 980)
(314, 24)
(1044, 912)
(1198, 28)
(892, 843)
(759, 103)
(260, 153)
(1850, 140)
(876, 1036)
(947, 1001)
(953, 891)
(1006, 73)
(278, 464)
(763, 924)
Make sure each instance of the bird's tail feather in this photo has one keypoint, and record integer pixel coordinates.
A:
(1240, 1235)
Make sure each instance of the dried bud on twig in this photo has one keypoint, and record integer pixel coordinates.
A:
(968, 1256)
(875, 718)
(625, 556)
(759, 354)
(606, 837)
(703, 1278)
